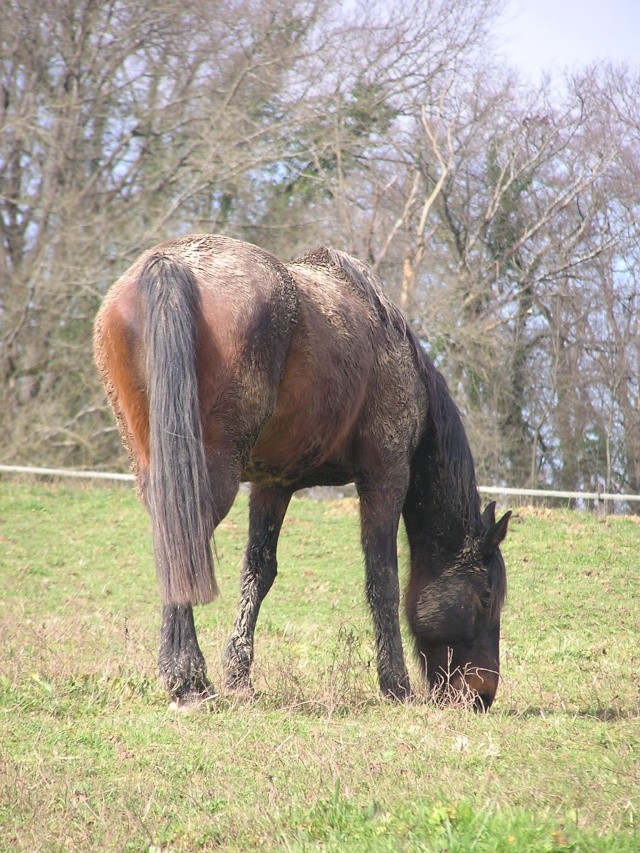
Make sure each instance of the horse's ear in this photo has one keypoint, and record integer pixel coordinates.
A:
(489, 514)
(495, 533)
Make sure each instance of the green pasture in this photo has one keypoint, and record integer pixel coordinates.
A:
(92, 758)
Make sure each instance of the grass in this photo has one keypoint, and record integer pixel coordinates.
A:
(92, 758)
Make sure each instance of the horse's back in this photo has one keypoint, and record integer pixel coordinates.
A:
(244, 318)
(350, 390)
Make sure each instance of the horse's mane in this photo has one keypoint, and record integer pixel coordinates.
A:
(454, 488)
(446, 432)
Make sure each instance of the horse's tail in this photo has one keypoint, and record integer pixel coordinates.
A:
(178, 492)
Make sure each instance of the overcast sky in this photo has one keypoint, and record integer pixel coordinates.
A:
(540, 35)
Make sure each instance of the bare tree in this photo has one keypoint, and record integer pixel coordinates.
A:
(511, 216)
(118, 127)
(503, 217)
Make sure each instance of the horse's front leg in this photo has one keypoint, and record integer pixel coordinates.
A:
(267, 508)
(181, 664)
(379, 520)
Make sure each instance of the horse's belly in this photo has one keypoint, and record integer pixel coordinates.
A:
(310, 443)
(303, 476)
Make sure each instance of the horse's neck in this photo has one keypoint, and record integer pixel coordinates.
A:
(442, 505)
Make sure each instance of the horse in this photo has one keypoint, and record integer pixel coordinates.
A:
(222, 364)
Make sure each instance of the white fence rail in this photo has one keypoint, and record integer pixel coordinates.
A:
(550, 493)
(598, 497)
(65, 472)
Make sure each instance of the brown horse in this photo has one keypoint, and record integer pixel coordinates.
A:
(222, 364)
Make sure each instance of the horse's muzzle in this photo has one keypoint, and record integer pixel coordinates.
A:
(475, 688)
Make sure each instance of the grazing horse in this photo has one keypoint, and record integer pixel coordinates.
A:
(221, 365)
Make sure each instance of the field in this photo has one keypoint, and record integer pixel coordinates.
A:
(91, 757)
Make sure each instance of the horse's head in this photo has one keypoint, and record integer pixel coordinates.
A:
(454, 613)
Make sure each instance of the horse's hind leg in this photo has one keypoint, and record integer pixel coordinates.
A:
(181, 664)
(267, 508)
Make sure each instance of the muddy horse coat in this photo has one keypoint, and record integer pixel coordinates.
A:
(222, 364)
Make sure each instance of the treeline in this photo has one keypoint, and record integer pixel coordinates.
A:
(503, 216)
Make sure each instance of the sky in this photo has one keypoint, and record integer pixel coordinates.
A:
(551, 35)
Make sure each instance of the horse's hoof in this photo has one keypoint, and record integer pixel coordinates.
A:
(399, 693)
(243, 691)
(193, 700)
